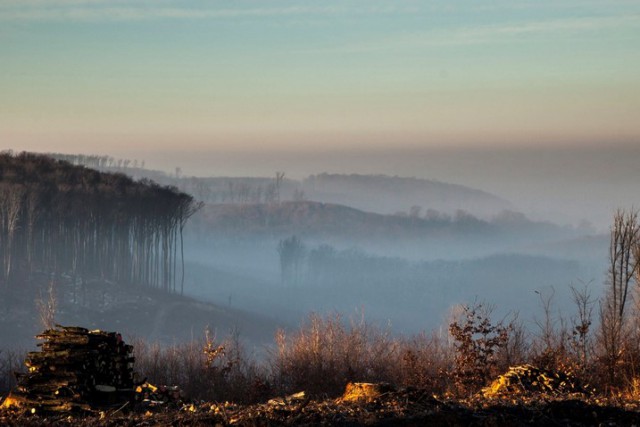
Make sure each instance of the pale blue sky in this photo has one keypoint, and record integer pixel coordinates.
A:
(119, 75)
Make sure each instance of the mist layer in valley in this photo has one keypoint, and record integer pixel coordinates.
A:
(261, 253)
(402, 252)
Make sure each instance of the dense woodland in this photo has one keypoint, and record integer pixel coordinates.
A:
(59, 218)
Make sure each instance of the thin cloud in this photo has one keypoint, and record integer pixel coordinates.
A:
(65, 3)
(97, 10)
(542, 27)
(490, 33)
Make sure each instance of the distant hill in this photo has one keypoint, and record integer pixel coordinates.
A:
(390, 194)
(316, 219)
(374, 193)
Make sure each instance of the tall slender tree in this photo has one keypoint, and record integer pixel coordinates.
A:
(57, 218)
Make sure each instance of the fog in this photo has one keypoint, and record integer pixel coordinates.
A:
(564, 183)
(366, 249)
(406, 295)
(400, 238)
(519, 225)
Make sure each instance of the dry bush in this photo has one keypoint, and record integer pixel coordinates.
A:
(517, 349)
(423, 362)
(478, 343)
(11, 361)
(203, 368)
(550, 348)
(325, 354)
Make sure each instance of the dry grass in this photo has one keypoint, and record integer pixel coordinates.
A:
(327, 352)
(202, 374)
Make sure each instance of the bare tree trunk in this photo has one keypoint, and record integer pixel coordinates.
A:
(623, 268)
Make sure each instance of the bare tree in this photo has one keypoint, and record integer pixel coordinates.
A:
(278, 184)
(581, 325)
(12, 197)
(550, 345)
(47, 304)
(623, 268)
(292, 252)
(64, 219)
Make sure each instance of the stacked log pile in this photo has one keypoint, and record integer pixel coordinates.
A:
(76, 369)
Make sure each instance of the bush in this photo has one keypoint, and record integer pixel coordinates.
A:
(423, 362)
(325, 354)
(477, 345)
(204, 369)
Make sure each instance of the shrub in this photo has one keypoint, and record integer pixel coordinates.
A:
(325, 354)
(204, 369)
(477, 342)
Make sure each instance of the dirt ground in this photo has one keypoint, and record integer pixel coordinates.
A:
(398, 408)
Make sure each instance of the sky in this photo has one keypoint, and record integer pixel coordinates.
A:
(247, 87)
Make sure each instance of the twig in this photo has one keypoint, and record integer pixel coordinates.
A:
(119, 409)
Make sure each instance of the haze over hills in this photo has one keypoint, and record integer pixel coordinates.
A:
(265, 247)
(374, 193)
(390, 194)
(433, 236)
(100, 249)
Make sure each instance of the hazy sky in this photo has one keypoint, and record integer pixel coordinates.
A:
(249, 87)
(213, 74)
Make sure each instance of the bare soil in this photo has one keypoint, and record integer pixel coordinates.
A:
(402, 408)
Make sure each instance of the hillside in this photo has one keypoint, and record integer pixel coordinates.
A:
(390, 194)
(107, 245)
(316, 219)
(139, 313)
(60, 218)
(382, 194)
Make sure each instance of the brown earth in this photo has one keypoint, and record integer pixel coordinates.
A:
(408, 407)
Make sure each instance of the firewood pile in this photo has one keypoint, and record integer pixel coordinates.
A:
(524, 379)
(76, 370)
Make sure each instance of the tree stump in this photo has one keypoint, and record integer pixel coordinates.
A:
(365, 392)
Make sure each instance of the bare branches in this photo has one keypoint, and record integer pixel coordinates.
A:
(623, 269)
(47, 304)
(477, 342)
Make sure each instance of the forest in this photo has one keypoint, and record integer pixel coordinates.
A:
(62, 219)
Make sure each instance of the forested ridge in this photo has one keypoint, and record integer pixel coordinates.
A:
(60, 218)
